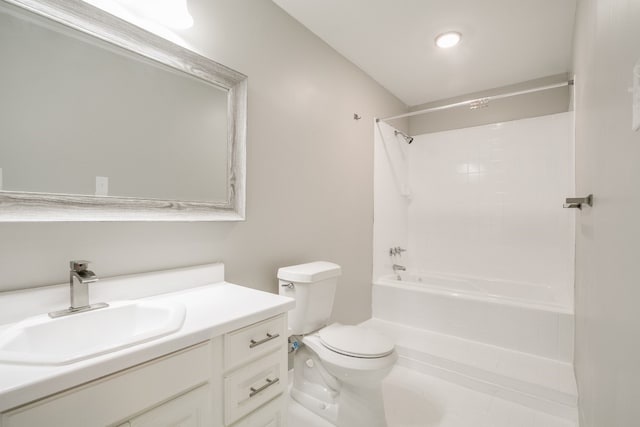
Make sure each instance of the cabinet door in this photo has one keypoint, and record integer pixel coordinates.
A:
(192, 409)
(116, 397)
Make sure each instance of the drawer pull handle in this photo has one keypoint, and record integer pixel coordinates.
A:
(269, 337)
(269, 383)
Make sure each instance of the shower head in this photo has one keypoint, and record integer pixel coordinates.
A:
(407, 138)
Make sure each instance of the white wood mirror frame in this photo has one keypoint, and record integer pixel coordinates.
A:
(18, 206)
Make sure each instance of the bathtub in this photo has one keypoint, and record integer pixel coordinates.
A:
(520, 316)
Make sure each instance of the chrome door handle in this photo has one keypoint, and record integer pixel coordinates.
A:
(269, 337)
(269, 383)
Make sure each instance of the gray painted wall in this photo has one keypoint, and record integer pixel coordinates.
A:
(542, 103)
(310, 172)
(608, 235)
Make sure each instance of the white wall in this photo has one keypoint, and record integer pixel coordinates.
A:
(607, 45)
(310, 171)
(487, 202)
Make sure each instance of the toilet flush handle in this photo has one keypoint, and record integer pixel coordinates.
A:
(289, 285)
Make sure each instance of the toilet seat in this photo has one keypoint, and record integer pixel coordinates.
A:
(343, 361)
(355, 341)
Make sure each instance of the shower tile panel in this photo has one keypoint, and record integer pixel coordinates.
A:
(487, 202)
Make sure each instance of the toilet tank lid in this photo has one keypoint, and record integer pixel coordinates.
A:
(309, 272)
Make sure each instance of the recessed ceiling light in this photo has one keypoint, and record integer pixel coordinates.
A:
(448, 39)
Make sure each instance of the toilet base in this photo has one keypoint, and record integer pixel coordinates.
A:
(328, 411)
(338, 402)
(313, 387)
(354, 408)
(358, 408)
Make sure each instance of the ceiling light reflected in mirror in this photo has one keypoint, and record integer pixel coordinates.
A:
(172, 14)
(448, 39)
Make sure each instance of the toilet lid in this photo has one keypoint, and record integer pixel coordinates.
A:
(355, 341)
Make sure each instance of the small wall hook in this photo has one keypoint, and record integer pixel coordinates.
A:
(577, 202)
(356, 116)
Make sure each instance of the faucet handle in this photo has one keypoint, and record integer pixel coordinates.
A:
(78, 265)
(396, 250)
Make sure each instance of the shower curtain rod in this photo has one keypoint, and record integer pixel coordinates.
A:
(480, 101)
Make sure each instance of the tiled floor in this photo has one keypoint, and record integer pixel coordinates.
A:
(412, 399)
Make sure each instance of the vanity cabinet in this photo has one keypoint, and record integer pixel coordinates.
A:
(237, 379)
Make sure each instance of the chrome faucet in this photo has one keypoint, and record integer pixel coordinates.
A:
(79, 278)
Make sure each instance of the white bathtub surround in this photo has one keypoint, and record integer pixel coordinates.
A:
(515, 316)
(487, 202)
(540, 383)
(487, 298)
(412, 399)
(484, 202)
(392, 194)
(514, 346)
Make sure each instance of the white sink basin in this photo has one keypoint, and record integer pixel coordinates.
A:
(41, 340)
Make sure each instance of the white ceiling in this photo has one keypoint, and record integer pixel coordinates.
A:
(503, 41)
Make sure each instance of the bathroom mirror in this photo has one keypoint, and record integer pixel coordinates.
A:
(103, 121)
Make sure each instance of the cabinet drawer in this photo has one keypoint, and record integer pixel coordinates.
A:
(273, 414)
(253, 385)
(258, 339)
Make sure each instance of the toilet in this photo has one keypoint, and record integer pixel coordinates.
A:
(338, 369)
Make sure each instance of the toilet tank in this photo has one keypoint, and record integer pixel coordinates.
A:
(313, 285)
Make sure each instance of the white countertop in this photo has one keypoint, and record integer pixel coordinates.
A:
(212, 310)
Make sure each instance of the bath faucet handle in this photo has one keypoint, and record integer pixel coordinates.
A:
(397, 250)
(79, 265)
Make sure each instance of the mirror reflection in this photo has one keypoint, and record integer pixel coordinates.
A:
(81, 116)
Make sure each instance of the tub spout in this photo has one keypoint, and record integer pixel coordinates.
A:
(397, 268)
